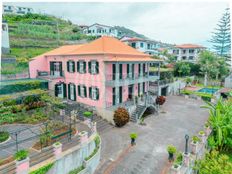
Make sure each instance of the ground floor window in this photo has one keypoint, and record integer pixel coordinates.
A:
(82, 91)
(94, 93)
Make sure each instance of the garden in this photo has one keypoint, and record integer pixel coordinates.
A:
(33, 107)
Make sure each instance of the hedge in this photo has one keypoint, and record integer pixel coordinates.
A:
(23, 86)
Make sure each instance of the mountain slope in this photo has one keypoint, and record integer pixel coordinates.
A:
(127, 32)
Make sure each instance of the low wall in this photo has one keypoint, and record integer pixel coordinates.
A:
(106, 114)
(73, 158)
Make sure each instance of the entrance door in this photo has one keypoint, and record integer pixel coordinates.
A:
(72, 95)
(60, 90)
(164, 91)
(114, 97)
(130, 92)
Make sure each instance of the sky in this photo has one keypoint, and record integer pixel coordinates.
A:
(169, 22)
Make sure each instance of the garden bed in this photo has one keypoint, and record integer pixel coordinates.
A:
(6, 161)
(57, 134)
(4, 136)
(34, 108)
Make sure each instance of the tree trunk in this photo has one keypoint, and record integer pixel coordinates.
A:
(205, 79)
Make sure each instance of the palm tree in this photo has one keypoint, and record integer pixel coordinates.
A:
(208, 64)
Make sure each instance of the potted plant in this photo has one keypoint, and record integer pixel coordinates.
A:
(175, 168)
(171, 151)
(202, 136)
(207, 128)
(133, 137)
(194, 144)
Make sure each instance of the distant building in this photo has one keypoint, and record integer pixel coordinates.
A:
(5, 39)
(186, 52)
(10, 9)
(144, 45)
(100, 30)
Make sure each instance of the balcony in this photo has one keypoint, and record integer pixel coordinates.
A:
(50, 74)
(128, 80)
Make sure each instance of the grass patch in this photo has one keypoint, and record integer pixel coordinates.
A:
(97, 144)
(13, 68)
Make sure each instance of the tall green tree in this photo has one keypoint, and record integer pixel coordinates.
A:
(221, 37)
(208, 64)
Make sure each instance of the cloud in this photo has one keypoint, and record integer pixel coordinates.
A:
(169, 22)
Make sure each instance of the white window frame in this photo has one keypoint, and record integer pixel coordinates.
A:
(93, 67)
(81, 64)
(72, 92)
(71, 64)
(94, 93)
(82, 91)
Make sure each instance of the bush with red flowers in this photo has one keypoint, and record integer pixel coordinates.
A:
(160, 100)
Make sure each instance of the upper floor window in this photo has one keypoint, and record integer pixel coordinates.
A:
(71, 66)
(81, 66)
(183, 51)
(141, 45)
(94, 93)
(190, 57)
(183, 57)
(191, 51)
(93, 67)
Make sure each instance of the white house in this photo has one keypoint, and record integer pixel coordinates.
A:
(10, 9)
(100, 30)
(186, 52)
(144, 45)
(5, 39)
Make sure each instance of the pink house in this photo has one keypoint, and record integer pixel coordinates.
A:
(104, 73)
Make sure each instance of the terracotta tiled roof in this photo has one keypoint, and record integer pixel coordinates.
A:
(189, 46)
(63, 50)
(103, 45)
(132, 39)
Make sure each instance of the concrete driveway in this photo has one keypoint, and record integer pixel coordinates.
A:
(149, 156)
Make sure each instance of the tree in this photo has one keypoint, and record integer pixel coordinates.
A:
(184, 69)
(208, 64)
(121, 117)
(221, 37)
(170, 58)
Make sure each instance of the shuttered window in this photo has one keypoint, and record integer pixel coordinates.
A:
(82, 92)
(94, 93)
(71, 66)
(81, 67)
(93, 67)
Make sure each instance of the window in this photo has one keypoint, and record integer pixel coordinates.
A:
(82, 91)
(191, 51)
(183, 51)
(89, 31)
(141, 45)
(81, 67)
(133, 44)
(148, 46)
(190, 57)
(71, 66)
(93, 67)
(94, 93)
(183, 57)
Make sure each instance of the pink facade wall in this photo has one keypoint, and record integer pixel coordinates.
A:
(105, 70)
(39, 63)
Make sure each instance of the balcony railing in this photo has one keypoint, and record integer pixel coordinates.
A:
(50, 74)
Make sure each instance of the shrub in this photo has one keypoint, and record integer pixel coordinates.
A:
(97, 141)
(4, 136)
(214, 163)
(206, 98)
(179, 158)
(171, 149)
(121, 117)
(87, 114)
(195, 139)
(21, 155)
(160, 100)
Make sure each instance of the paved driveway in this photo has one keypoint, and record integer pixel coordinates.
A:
(149, 156)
